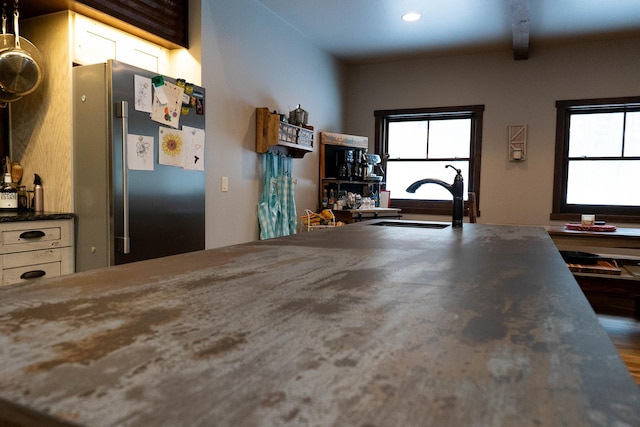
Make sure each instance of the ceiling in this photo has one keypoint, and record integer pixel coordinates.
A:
(371, 30)
(368, 30)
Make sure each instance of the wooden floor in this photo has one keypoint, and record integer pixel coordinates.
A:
(616, 316)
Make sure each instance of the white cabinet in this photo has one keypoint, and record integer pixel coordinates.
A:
(94, 42)
(32, 250)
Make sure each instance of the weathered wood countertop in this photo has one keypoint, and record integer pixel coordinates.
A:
(356, 326)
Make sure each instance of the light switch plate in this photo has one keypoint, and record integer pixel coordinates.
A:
(224, 184)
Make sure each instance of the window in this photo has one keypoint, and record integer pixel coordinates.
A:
(597, 166)
(419, 143)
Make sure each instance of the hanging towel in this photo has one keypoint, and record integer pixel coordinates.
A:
(276, 209)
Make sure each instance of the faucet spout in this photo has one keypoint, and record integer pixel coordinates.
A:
(456, 189)
(413, 187)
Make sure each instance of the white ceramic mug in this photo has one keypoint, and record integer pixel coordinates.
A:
(517, 154)
(588, 220)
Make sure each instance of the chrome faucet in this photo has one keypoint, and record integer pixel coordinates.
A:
(456, 189)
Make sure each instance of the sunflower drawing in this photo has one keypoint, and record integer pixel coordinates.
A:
(171, 144)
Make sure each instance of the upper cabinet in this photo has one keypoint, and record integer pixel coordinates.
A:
(94, 42)
(163, 22)
(167, 19)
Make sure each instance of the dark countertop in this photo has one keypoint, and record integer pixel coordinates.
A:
(16, 216)
(355, 326)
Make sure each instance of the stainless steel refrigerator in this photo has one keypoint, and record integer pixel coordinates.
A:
(126, 214)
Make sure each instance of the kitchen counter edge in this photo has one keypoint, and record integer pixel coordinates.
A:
(34, 216)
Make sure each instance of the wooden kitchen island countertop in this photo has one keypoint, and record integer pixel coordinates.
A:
(361, 325)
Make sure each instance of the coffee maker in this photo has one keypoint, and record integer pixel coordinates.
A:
(369, 162)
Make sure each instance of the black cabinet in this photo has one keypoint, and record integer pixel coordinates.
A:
(341, 168)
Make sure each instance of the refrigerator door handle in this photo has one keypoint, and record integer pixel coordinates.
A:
(123, 113)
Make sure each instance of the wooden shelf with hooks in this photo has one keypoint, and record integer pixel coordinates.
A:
(276, 136)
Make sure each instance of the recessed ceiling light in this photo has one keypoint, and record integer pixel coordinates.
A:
(410, 16)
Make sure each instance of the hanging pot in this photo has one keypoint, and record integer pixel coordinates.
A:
(6, 42)
(20, 70)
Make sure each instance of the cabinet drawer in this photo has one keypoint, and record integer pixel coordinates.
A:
(33, 265)
(34, 235)
(22, 259)
(31, 273)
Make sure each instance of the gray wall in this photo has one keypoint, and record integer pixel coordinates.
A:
(513, 92)
(251, 58)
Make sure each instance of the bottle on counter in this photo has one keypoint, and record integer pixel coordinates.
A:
(38, 194)
(8, 194)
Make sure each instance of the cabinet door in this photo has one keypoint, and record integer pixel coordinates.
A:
(91, 46)
(94, 42)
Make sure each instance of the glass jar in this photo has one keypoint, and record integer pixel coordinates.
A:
(8, 194)
(23, 198)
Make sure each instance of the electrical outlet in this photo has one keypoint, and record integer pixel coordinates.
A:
(224, 185)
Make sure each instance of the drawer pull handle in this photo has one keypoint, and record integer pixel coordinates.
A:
(32, 234)
(33, 274)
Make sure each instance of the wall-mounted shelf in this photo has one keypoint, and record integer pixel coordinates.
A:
(276, 136)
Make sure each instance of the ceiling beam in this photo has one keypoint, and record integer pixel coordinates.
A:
(520, 28)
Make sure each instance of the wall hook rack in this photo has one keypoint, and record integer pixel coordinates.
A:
(517, 143)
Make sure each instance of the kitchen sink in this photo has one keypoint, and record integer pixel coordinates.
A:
(410, 224)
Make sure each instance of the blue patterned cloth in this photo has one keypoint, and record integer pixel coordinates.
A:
(277, 207)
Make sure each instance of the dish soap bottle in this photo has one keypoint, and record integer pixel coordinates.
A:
(8, 194)
(38, 194)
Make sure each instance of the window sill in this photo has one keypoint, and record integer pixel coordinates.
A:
(573, 217)
(420, 207)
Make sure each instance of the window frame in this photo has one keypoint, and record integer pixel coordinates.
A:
(424, 206)
(561, 210)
